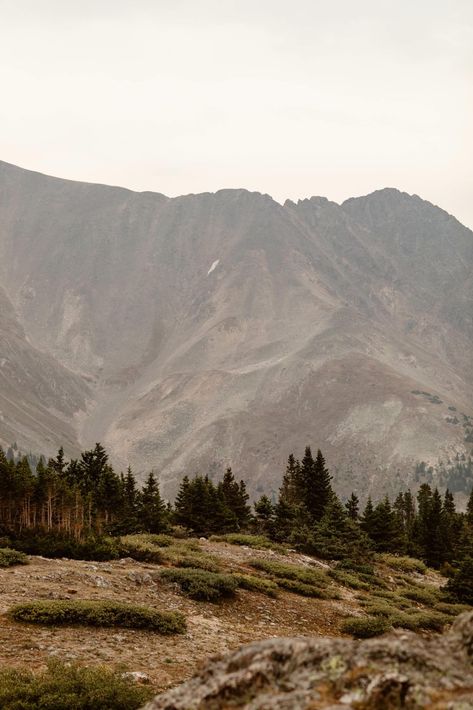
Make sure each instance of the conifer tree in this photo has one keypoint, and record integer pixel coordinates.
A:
(264, 515)
(152, 508)
(352, 507)
(337, 535)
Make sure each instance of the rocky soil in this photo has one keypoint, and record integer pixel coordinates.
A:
(211, 628)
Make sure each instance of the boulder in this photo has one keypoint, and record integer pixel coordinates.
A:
(398, 670)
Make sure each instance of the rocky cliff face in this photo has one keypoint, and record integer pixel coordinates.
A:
(401, 670)
(216, 329)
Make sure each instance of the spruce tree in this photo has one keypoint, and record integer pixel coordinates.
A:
(317, 487)
(152, 508)
(352, 507)
(337, 536)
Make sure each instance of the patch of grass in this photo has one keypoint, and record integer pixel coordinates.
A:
(305, 581)
(9, 557)
(202, 585)
(452, 609)
(70, 687)
(395, 599)
(97, 613)
(257, 584)
(96, 548)
(281, 570)
(307, 590)
(196, 560)
(366, 626)
(348, 579)
(379, 608)
(141, 548)
(402, 563)
(163, 549)
(427, 620)
(420, 594)
(257, 542)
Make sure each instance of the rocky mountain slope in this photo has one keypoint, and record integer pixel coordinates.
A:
(192, 333)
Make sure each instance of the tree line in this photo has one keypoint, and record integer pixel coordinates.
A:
(85, 497)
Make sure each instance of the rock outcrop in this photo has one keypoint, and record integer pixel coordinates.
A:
(399, 670)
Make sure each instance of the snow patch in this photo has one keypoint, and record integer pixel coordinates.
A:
(214, 265)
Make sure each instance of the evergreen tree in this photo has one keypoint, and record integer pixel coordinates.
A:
(337, 536)
(352, 507)
(152, 508)
(316, 482)
(264, 515)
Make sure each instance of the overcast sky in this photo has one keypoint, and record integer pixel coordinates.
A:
(293, 98)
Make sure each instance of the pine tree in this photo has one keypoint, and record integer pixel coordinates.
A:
(316, 481)
(469, 509)
(338, 536)
(352, 507)
(152, 508)
(264, 515)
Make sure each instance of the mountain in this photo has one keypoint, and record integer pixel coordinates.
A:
(192, 333)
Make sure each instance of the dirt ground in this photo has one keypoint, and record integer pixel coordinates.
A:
(211, 628)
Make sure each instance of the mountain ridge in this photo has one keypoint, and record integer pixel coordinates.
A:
(197, 323)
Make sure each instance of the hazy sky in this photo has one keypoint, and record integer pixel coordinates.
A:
(293, 98)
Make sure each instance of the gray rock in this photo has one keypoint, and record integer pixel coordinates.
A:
(398, 670)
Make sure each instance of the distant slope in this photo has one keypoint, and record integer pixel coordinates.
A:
(224, 328)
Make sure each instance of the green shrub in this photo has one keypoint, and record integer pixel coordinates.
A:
(405, 564)
(360, 568)
(378, 608)
(202, 585)
(395, 599)
(348, 579)
(97, 613)
(420, 595)
(196, 560)
(9, 557)
(257, 542)
(427, 620)
(305, 581)
(306, 590)
(257, 584)
(366, 626)
(451, 609)
(98, 548)
(280, 570)
(141, 548)
(70, 687)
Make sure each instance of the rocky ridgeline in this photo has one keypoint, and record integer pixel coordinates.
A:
(399, 670)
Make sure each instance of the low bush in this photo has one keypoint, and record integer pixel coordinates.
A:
(9, 557)
(97, 613)
(348, 579)
(427, 620)
(378, 608)
(451, 609)
(70, 687)
(196, 560)
(366, 626)
(98, 549)
(356, 566)
(257, 584)
(421, 595)
(280, 570)
(305, 581)
(257, 542)
(202, 585)
(141, 548)
(307, 590)
(402, 563)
